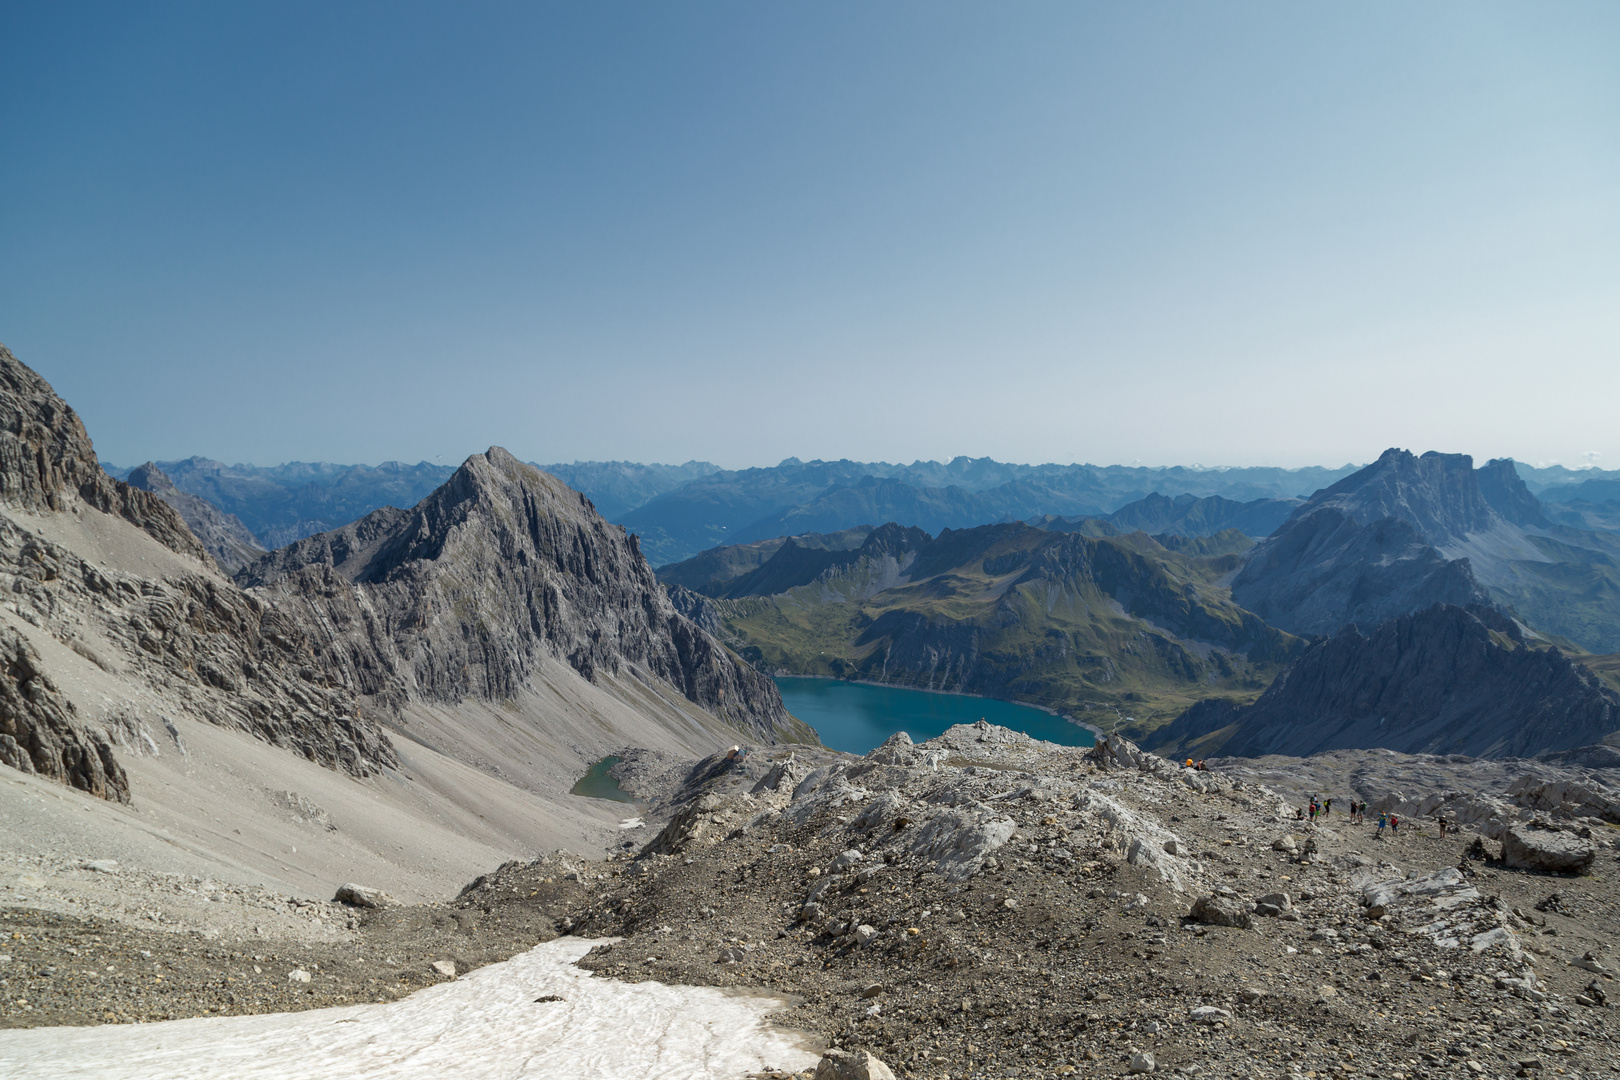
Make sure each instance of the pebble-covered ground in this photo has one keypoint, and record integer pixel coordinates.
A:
(1063, 949)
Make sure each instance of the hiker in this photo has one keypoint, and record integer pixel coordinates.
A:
(1189, 763)
(1382, 820)
(1327, 808)
(1442, 826)
(1394, 824)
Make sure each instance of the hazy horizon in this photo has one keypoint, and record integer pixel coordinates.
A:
(1253, 234)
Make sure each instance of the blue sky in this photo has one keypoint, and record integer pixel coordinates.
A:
(1167, 233)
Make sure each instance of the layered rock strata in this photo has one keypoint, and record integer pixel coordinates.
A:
(465, 594)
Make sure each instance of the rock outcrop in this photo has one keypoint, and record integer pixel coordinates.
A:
(224, 535)
(1527, 848)
(464, 594)
(1446, 680)
(46, 460)
(179, 628)
(40, 731)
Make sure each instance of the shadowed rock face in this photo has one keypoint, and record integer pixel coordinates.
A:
(1325, 569)
(464, 594)
(1444, 681)
(224, 535)
(40, 732)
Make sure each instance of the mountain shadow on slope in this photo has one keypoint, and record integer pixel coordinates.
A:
(1448, 680)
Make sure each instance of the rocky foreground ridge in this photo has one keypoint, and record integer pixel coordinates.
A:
(986, 905)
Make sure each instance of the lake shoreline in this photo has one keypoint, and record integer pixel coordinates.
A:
(1038, 721)
(1095, 731)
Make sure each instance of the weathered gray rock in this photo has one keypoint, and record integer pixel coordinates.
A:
(1541, 849)
(1142, 1062)
(40, 730)
(362, 896)
(188, 634)
(466, 593)
(1217, 910)
(852, 1065)
(46, 459)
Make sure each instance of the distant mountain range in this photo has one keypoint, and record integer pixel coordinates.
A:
(1438, 594)
(680, 510)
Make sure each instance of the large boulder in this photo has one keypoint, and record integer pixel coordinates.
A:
(852, 1065)
(363, 896)
(1218, 910)
(1540, 849)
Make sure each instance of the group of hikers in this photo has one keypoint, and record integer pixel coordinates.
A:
(1319, 809)
(1199, 765)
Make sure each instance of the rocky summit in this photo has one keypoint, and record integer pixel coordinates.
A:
(463, 595)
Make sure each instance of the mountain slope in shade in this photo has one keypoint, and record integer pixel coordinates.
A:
(224, 535)
(469, 593)
(1448, 680)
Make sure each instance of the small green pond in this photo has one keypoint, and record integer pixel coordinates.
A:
(597, 784)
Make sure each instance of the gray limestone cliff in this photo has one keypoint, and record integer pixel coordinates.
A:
(46, 458)
(1367, 548)
(464, 595)
(40, 731)
(171, 625)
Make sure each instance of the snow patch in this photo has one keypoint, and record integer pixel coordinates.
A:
(485, 1024)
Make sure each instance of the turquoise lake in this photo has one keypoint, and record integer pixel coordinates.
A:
(858, 718)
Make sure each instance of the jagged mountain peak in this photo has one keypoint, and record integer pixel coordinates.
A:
(1438, 493)
(1508, 494)
(467, 593)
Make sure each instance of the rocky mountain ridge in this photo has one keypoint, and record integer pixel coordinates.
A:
(180, 627)
(1448, 680)
(1410, 531)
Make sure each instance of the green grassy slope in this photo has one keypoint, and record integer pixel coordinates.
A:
(1103, 628)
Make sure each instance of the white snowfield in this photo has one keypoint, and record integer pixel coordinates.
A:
(486, 1024)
